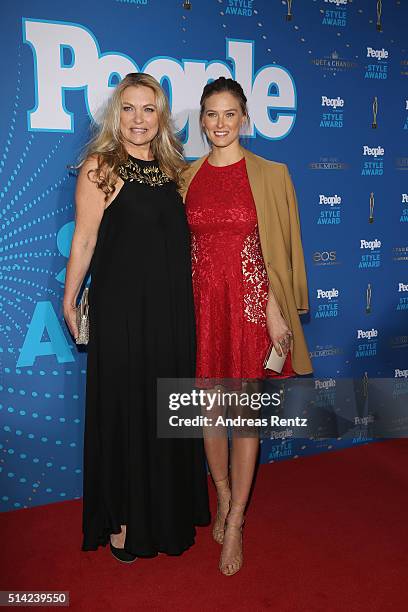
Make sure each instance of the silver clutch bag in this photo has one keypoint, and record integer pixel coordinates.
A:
(82, 316)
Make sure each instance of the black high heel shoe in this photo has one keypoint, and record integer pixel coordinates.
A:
(121, 554)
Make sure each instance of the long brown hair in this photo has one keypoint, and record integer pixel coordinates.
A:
(221, 85)
(107, 143)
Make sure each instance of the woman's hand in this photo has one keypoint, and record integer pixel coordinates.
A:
(278, 331)
(70, 318)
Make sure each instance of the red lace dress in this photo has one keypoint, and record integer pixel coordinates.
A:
(230, 281)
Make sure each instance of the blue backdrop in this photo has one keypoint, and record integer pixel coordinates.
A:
(327, 94)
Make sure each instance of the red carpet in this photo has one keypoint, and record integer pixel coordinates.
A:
(324, 533)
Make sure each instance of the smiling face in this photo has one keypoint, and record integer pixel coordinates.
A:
(139, 120)
(222, 119)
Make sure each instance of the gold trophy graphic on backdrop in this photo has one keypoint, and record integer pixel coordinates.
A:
(365, 384)
(368, 298)
(379, 11)
(290, 14)
(371, 215)
(374, 124)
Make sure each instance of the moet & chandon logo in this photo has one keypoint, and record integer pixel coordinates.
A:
(333, 63)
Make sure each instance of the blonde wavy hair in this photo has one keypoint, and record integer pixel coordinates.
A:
(107, 144)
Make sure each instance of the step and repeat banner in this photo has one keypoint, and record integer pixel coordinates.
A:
(327, 85)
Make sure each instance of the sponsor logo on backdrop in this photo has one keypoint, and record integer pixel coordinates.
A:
(326, 350)
(397, 342)
(242, 8)
(325, 392)
(378, 69)
(328, 303)
(400, 373)
(330, 212)
(401, 163)
(373, 161)
(368, 348)
(333, 63)
(328, 163)
(325, 258)
(327, 383)
(332, 113)
(136, 2)
(400, 253)
(404, 67)
(335, 14)
(370, 256)
(404, 214)
(68, 56)
(283, 450)
(400, 387)
(403, 299)
(406, 118)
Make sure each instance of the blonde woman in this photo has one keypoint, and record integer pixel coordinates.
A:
(142, 494)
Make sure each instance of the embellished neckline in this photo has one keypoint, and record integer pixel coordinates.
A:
(146, 172)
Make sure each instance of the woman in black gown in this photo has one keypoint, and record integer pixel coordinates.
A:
(143, 493)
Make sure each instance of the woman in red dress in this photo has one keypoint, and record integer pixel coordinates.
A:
(237, 315)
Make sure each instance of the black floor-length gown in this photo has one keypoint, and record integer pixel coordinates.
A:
(141, 328)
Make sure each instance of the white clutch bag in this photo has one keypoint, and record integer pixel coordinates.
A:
(273, 361)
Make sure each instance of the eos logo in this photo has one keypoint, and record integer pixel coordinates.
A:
(401, 373)
(325, 384)
(333, 102)
(402, 287)
(375, 151)
(368, 334)
(329, 294)
(337, 2)
(404, 198)
(331, 200)
(377, 53)
(370, 244)
(67, 56)
(324, 256)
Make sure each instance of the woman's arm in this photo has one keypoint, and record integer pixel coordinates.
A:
(89, 207)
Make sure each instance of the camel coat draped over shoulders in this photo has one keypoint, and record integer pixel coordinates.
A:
(279, 233)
